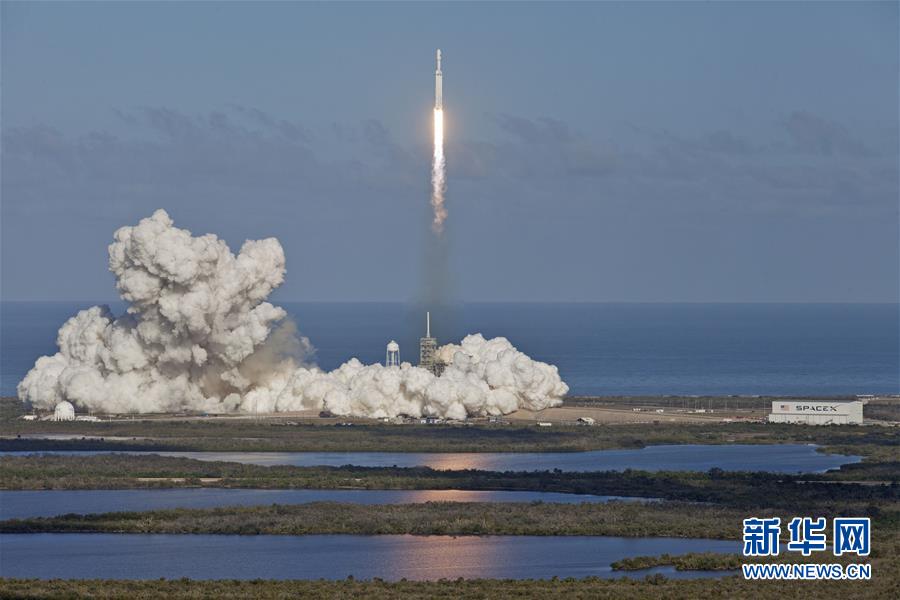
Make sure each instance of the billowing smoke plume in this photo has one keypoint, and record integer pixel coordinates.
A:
(199, 335)
(438, 174)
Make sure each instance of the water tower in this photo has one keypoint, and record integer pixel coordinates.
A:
(64, 411)
(392, 356)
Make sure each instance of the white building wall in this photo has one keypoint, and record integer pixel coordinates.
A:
(816, 413)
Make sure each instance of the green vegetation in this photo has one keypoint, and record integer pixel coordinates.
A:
(692, 561)
(885, 409)
(10, 409)
(710, 561)
(279, 435)
(628, 519)
(655, 586)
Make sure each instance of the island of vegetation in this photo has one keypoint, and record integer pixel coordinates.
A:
(627, 519)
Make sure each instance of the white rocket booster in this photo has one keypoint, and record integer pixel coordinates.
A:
(438, 85)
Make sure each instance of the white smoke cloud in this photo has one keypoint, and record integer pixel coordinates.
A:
(199, 335)
(438, 175)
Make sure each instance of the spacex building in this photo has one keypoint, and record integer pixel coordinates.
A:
(817, 413)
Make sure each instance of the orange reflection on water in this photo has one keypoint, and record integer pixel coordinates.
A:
(458, 461)
(416, 496)
(437, 557)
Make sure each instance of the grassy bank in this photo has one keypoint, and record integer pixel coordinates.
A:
(710, 561)
(278, 435)
(692, 561)
(592, 587)
(627, 519)
(431, 518)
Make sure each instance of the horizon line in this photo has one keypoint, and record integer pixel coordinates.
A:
(464, 302)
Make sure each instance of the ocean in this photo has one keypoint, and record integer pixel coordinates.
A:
(609, 349)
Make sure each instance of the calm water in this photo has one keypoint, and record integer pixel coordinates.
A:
(780, 458)
(776, 458)
(392, 557)
(48, 503)
(782, 349)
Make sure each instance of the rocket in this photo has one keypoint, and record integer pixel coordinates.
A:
(438, 85)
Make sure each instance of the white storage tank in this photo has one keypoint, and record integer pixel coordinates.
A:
(64, 411)
(809, 412)
(392, 354)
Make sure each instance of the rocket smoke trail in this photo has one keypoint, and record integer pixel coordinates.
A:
(438, 182)
(438, 165)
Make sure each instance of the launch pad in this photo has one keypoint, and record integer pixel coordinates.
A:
(428, 345)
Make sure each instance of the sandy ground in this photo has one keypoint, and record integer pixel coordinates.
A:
(300, 414)
(179, 479)
(627, 415)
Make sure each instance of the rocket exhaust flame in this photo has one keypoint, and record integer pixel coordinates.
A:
(438, 165)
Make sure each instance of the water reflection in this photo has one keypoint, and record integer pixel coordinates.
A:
(775, 458)
(390, 557)
(472, 555)
(780, 458)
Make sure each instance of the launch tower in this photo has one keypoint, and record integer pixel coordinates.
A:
(427, 346)
(428, 350)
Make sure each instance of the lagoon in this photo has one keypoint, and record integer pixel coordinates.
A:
(391, 557)
(772, 458)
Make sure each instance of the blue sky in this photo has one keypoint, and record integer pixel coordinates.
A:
(596, 152)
